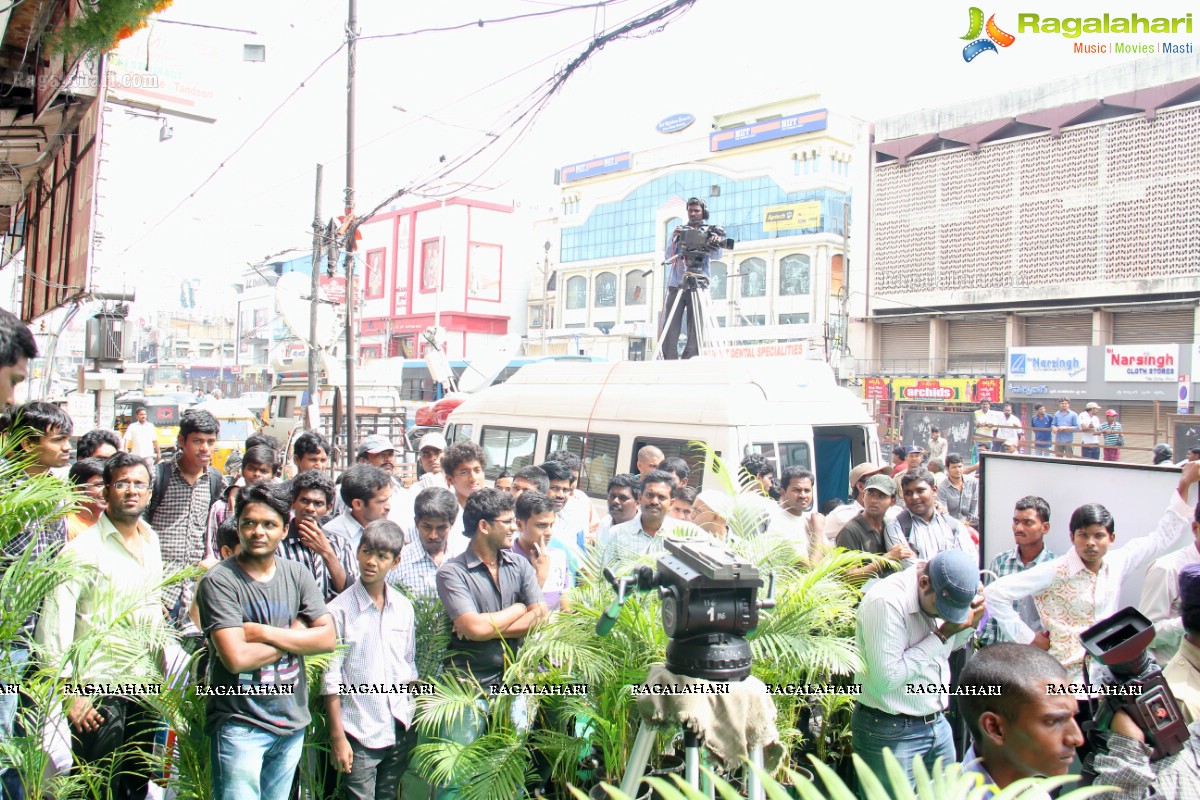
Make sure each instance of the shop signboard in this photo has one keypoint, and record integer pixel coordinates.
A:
(1066, 364)
(1141, 363)
(935, 390)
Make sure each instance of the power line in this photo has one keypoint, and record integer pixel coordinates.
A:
(655, 21)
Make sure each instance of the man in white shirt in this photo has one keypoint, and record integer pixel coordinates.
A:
(1075, 590)
(141, 438)
(939, 446)
(795, 516)
(1013, 429)
(1089, 426)
(908, 625)
(1160, 598)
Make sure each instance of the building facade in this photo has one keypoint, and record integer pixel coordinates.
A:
(1065, 217)
(779, 179)
(444, 262)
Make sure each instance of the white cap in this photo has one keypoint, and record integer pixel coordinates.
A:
(432, 439)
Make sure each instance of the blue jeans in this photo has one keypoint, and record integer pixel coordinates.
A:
(907, 738)
(17, 659)
(250, 763)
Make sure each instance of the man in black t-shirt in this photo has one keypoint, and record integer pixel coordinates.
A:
(261, 616)
(865, 532)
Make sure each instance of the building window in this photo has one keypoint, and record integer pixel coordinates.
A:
(793, 319)
(635, 288)
(535, 316)
(577, 292)
(754, 279)
(752, 319)
(718, 281)
(794, 275)
(605, 327)
(606, 290)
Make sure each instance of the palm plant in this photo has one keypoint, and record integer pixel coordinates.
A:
(943, 782)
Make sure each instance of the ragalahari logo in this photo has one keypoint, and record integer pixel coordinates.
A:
(994, 37)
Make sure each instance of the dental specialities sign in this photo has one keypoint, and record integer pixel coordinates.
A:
(1141, 363)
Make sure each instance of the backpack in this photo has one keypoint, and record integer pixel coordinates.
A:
(162, 476)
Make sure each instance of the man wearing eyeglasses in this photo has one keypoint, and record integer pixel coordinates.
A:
(120, 569)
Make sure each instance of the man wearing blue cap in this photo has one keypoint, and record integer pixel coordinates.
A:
(908, 625)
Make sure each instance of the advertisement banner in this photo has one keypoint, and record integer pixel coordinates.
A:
(935, 390)
(1141, 363)
(792, 216)
(597, 166)
(875, 388)
(767, 130)
(1067, 364)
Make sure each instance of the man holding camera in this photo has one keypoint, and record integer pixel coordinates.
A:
(1126, 765)
(689, 253)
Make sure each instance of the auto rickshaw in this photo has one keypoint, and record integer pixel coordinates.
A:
(237, 423)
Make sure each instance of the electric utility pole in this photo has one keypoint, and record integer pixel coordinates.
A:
(317, 227)
(352, 228)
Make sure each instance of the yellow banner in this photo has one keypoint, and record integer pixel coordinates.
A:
(792, 216)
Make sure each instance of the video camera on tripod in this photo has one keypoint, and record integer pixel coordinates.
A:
(1136, 686)
(709, 604)
(697, 242)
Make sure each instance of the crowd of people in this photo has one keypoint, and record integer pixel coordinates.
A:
(304, 566)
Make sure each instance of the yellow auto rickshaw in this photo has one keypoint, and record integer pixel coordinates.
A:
(237, 423)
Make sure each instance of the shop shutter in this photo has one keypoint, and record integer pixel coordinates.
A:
(976, 345)
(1058, 329)
(1139, 421)
(905, 347)
(1154, 326)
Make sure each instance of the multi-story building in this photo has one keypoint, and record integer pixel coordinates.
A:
(779, 178)
(443, 262)
(1048, 236)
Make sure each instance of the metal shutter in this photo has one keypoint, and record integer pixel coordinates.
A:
(1139, 420)
(1154, 326)
(1058, 329)
(976, 345)
(905, 347)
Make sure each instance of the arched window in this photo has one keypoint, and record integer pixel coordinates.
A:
(794, 275)
(717, 285)
(754, 282)
(577, 292)
(606, 290)
(635, 288)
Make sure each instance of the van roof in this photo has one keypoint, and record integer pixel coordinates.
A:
(699, 390)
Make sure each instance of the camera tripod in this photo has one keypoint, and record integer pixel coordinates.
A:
(643, 746)
(702, 315)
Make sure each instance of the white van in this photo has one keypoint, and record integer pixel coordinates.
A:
(790, 410)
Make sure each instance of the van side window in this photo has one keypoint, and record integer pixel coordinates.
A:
(674, 448)
(791, 454)
(507, 449)
(287, 406)
(460, 433)
(599, 458)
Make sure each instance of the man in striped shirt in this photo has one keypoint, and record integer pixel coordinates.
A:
(908, 625)
(329, 558)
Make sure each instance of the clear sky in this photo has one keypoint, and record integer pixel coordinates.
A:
(442, 94)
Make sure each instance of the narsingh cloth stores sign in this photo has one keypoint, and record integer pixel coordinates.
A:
(1140, 363)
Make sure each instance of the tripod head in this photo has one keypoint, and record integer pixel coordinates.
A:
(709, 603)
